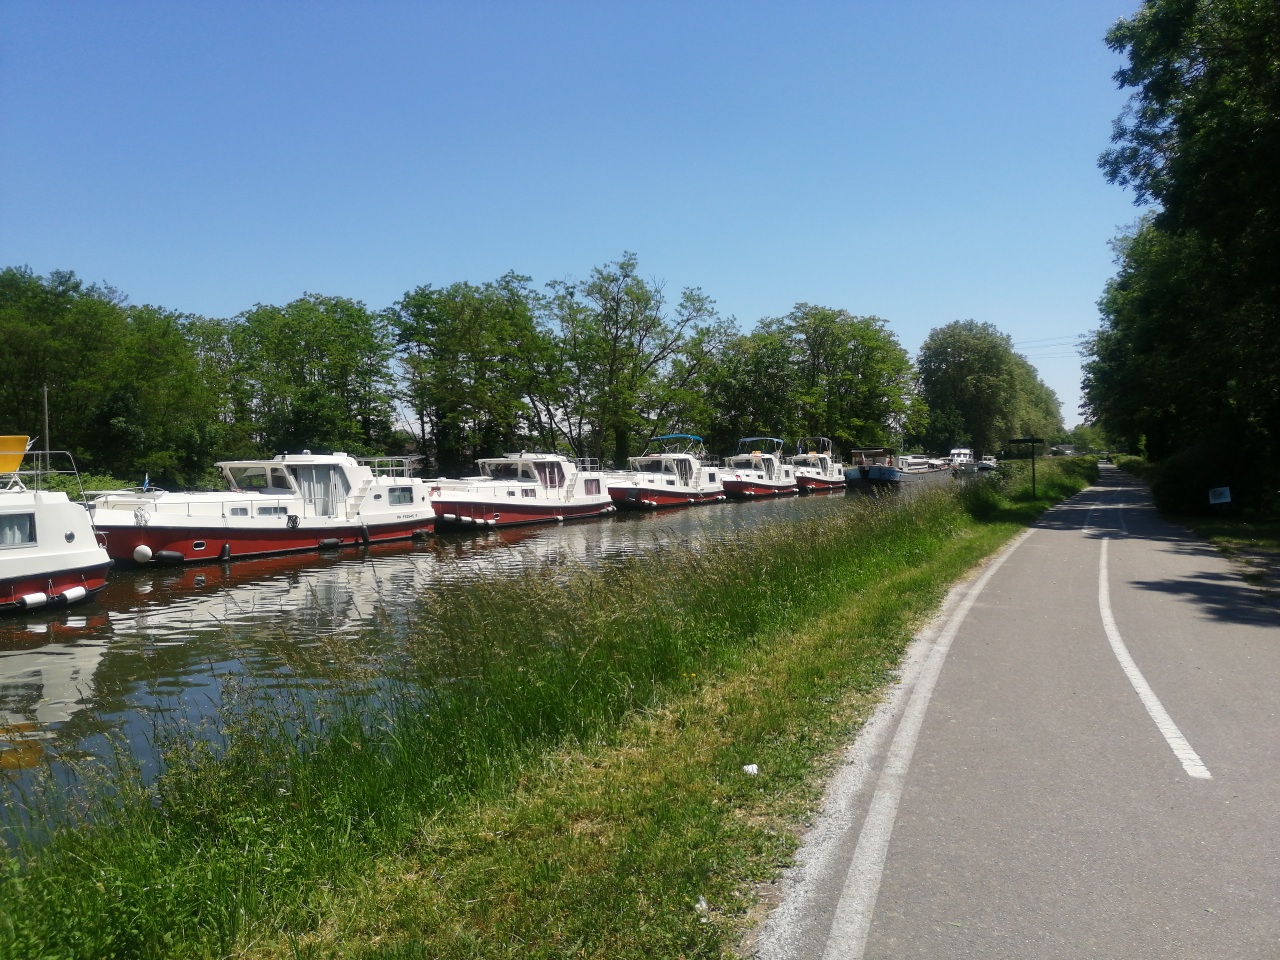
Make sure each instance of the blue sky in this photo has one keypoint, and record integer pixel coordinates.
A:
(923, 161)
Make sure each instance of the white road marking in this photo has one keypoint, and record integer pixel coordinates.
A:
(1189, 759)
(847, 939)
(1119, 509)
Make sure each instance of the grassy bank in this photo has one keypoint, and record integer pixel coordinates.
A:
(552, 766)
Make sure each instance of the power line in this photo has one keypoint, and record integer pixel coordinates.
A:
(1075, 338)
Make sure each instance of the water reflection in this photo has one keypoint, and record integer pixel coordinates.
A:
(164, 640)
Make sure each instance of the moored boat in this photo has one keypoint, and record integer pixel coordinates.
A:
(878, 467)
(869, 465)
(816, 468)
(49, 553)
(757, 470)
(293, 502)
(672, 472)
(522, 488)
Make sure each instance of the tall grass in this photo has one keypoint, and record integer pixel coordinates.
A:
(353, 827)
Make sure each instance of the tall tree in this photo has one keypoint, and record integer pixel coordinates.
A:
(979, 392)
(1189, 347)
(751, 389)
(619, 346)
(853, 381)
(61, 333)
(474, 361)
(316, 373)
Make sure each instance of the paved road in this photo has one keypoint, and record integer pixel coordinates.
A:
(1082, 761)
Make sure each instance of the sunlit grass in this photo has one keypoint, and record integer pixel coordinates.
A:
(551, 766)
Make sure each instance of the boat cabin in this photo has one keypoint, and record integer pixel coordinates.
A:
(549, 472)
(322, 482)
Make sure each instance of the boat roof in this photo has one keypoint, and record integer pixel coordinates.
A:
(746, 443)
(306, 456)
(814, 445)
(523, 455)
(679, 436)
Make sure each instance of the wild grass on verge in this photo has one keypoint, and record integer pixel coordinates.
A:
(554, 769)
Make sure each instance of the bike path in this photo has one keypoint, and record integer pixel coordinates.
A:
(1023, 796)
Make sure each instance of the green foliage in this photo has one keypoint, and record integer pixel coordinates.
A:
(979, 392)
(314, 373)
(1188, 354)
(627, 361)
(815, 372)
(478, 369)
(596, 366)
(1180, 484)
(124, 388)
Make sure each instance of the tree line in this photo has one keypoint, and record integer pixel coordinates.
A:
(593, 367)
(1185, 366)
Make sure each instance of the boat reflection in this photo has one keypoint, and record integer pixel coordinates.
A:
(46, 675)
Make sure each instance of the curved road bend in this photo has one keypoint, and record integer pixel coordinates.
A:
(1082, 761)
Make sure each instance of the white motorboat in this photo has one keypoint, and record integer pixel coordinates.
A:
(49, 552)
(672, 472)
(757, 470)
(522, 488)
(292, 502)
(816, 468)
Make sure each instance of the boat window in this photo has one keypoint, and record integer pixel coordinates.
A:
(591, 486)
(528, 493)
(551, 474)
(501, 471)
(278, 480)
(239, 511)
(247, 478)
(17, 529)
(400, 495)
(272, 511)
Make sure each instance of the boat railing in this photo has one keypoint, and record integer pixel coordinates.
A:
(588, 463)
(152, 501)
(43, 474)
(391, 466)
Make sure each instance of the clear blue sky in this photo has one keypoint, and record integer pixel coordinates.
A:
(920, 160)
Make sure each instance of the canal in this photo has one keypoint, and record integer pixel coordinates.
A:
(162, 642)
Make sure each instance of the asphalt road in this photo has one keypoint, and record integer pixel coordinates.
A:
(1082, 761)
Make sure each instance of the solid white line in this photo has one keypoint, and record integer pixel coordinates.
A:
(1189, 759)
(847, 939)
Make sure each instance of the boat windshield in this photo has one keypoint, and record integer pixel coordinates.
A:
(247, 478)
(261, 478)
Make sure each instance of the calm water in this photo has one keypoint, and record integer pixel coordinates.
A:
(164, 640)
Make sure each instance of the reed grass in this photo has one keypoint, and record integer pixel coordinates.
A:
(550, 765)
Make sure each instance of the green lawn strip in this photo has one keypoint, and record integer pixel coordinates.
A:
(651, 846)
